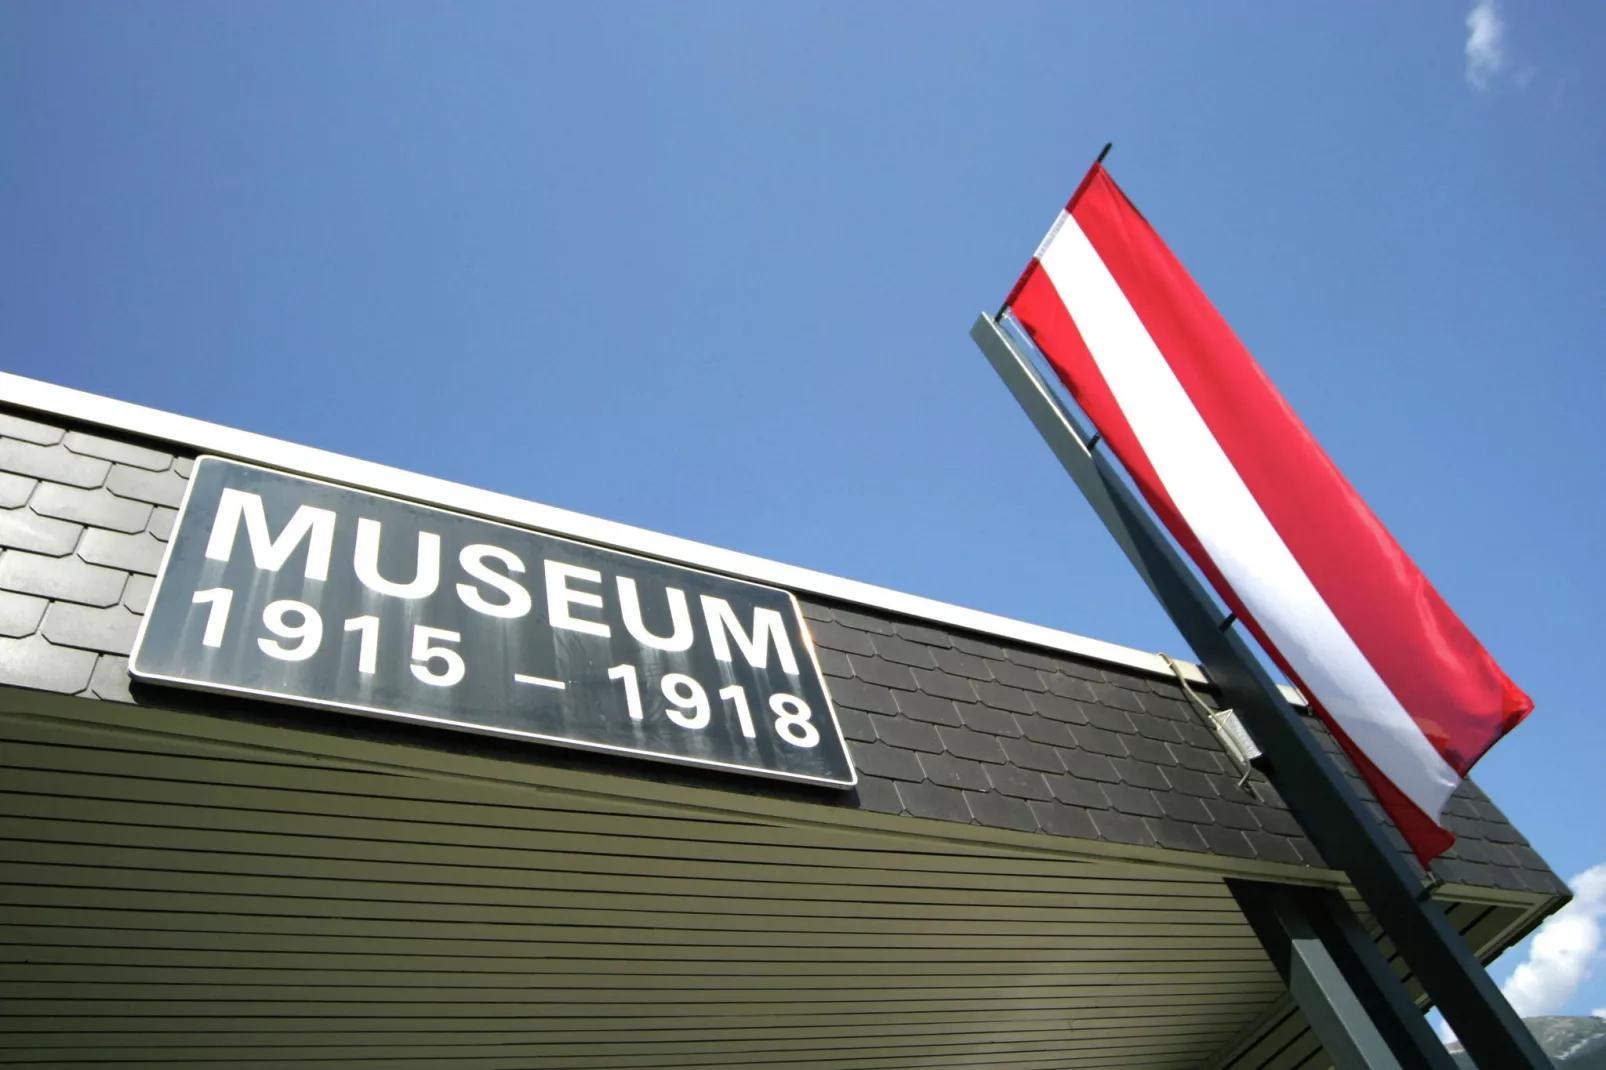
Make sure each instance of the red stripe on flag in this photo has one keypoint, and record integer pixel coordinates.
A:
(1038, 309)
(1432, 666)
(1435, 667)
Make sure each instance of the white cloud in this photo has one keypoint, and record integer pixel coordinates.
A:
(1564, 951)
(1561, 957)
(1486, 43)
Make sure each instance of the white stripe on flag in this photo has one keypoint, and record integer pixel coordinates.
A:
(1233, 529)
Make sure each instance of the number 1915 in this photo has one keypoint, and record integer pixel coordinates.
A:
(297, 632)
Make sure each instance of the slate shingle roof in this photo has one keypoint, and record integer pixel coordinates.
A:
(941, 724)
(963, 728)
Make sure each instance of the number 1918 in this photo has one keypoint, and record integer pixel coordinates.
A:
(689, 706)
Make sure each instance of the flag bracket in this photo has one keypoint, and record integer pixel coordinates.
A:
(1337, 822)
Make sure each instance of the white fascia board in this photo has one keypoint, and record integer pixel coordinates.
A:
(203, 437)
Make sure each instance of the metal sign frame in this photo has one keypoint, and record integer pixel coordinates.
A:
(834, 732)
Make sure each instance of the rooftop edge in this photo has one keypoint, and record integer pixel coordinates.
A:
(204, 437)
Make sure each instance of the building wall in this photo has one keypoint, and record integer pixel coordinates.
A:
(942, 723)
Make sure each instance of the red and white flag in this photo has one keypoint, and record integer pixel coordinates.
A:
(1263, 511)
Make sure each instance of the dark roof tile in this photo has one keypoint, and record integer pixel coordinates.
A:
(929, 800)
(1030, 755)
(855, 724)
(1169, 709)
(1507, 878)
(1082, 669)
(882, 760)
(1070, 687)
(1156, 728)
(1545, 881)
(952, 772)
(1060, 820)
(1118, 698)
(1061, 709)
(836, 637)
(1044, 730)
(972, 645)
(864, 622)
(815, 611)
(1226, 841)
(1078, 792)
(1122, 828)
(1268, 794)
(1499, 832)
(1012, 675)
(1227, 786)
(1149, 750)
(1033, 660)
(1308, 853)
(1130, 681)
(879, 795)
(55, 463)
(967, 744)
(1130, 800)
(110, 679)
(1234, 815)
(1184, 808)
(1280, 822)
(141, 484)
(1110, 720)
(902, 651)
(1098, 740)
(1527, 857)
(907, 734)
(20, 614)
(1004, 698)
(1195, 758)
(862, 696)
(40, 434)
(924, 707)
(986, 719)
(945, 686)
(1191, 783)
(1087, 765)
(1140, 774)
(1273, 848)
(919, 633)
(1021, 783)
(1176, 835)
(1000, 811)
(833, 662)
(885, 673)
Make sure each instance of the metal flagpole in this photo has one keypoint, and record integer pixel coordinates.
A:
(1338, 823)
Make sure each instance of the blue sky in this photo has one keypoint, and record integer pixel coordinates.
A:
(709, 268)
